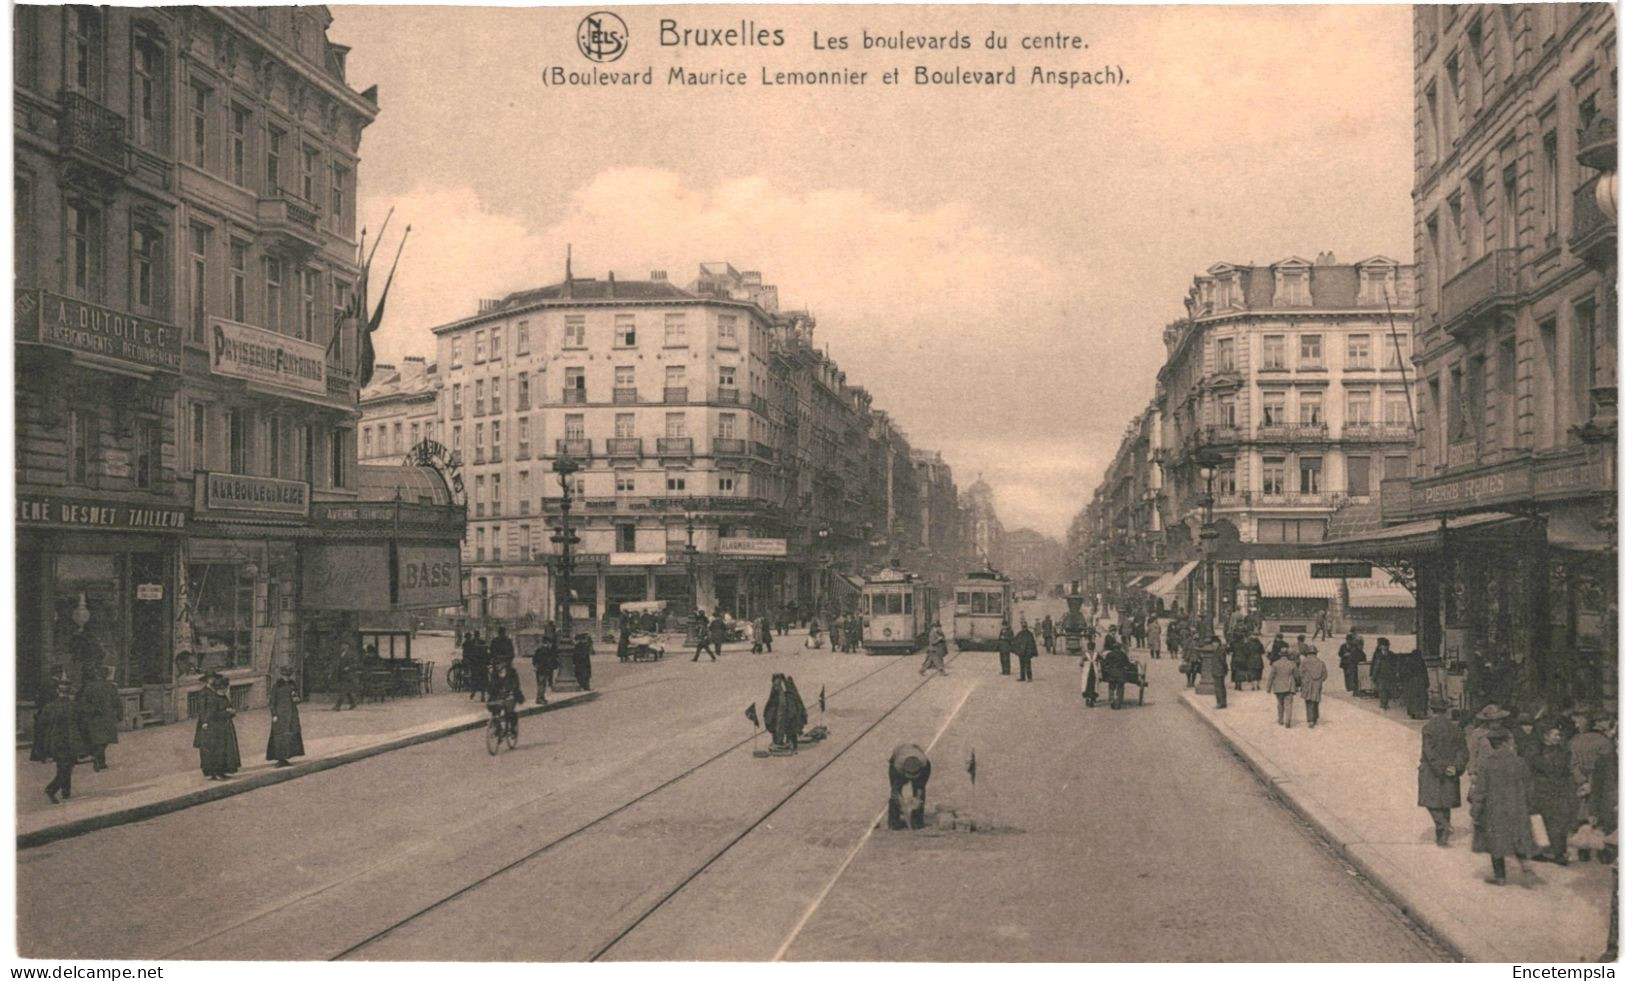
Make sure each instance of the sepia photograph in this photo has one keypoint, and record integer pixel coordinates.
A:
(932, 485)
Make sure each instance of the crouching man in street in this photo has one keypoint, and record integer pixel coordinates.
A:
(908, 765)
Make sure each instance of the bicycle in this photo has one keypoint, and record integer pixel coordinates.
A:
(500, 730)
(457, 676)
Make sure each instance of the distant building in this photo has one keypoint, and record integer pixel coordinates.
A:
(399, 410)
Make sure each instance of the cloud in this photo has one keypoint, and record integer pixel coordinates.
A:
(927, 308)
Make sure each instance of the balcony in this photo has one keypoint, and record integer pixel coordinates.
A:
(1294, 432)
(1595, 234)
(762, 451)
(92, 135)
(675, 446)
(1485, 289)
(626, 396)
(1375, 432)
(581, 449)
(728, 396)
(290, 221)
(575, 396)
(1222, 434)
(625, 447)
(1296, 499)
(674, 396)
(725, 446)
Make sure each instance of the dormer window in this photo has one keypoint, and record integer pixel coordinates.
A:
(1292, 285)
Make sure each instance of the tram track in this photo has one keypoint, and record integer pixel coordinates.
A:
(602, 948)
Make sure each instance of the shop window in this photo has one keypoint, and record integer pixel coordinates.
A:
(222, 598)
(80, 436)
(626, 538)
(1359, 471)
(148, 439)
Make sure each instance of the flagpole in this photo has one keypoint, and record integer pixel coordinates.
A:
(380, 240)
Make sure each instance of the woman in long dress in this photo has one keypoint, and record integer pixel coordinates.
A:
(218, 755)
(784, 715)
(287, 735)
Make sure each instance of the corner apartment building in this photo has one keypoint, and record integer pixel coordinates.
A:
(1509, 520)
(185, 244)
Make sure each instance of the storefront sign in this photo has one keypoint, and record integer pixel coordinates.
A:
(429, 576)
(429, 453)
(1339, 570)
(1495, 485)
(637, 558)
(413, 517)
(1575, 473)
(346, 577)
(235, 492)
(260, 355)
(149, 591)
(64, 512)
(747, 547)
(74, 325)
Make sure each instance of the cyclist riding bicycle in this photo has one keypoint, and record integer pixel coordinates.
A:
(502, 694)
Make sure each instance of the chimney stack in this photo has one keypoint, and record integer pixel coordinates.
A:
(610, 290)
(657, 276)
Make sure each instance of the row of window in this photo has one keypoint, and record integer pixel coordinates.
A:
(575, 428)
(252, 442)
(488, 342)
(486, 542)
(394, 438)
(1311, 352)
(1359, 407)
(487, 497)
(1305, 475)
(84, 433)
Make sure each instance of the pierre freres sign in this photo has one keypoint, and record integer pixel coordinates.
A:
(235, 492)
(74, 325)
(259, 355)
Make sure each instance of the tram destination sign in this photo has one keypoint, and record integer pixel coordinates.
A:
(1339, 570)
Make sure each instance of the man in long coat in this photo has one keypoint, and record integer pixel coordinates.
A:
(1153, 634)
(702, 635)
(1212, 660)
(1026, 648)
(1048, 628)
(581, 660)
(1554, 797)
(1005, 642)
(1385, 673)
(1349, 658)
(100, 711)
(1283, 683)
(1311, 679)
(56, 740)
(1501, 799)
(1438, 775)
(1115, 666)
(544, 660)
(346, 677)
(475, 665)
(502, 647)
(287, 735)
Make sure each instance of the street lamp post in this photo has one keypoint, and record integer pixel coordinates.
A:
(689, 553)
(1208, 461)
(565, 538)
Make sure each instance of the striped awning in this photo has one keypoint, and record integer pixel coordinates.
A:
(1164, 586)
(1289, 579)
(1139, 582)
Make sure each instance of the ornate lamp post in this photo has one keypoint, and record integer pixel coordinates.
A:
(565, 538)
(689, 553)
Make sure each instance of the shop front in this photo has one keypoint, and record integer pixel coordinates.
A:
(96, 586)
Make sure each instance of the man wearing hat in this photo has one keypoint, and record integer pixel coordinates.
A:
(100, 710)
(1349, 657)
(1438, 775)
(1501, 801)
(56, 740)
(1487, 722)
(287, 736)
(908, 765)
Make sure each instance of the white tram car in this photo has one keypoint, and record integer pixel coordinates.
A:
(897, 608)
(983, 603)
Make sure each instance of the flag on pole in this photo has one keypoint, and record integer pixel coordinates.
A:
(367, 356)
(750, 714)
(970, 768)
(820, 698)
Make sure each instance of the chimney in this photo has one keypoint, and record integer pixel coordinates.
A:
(486, 306)
(657, 276)
(610, 291)
(413, 359)
(568, 292)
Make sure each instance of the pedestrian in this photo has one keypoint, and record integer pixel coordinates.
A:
(756, 638)
(56, 740)
(581, 658)
(1384, 673)
(1213, 667)
(345, 671)
(474, 666)
(1116, 667)
(1278, 647)
(1349, 657)
(1501, 799)
(1176, 636)
(1252, 651)
(1139, 629)
(908, 766)
(1438, 774)
(766, 630)
(1413, 682)
(287, 736)
(99, 712)
(814, 632)
(702, 635)
(936, 651)
(784, 715)
(1026, 648)
(784, 622)
(1192, 665)
(1551, 768)
(1589, 748)
(1322, 626)
(1283, 682)
(1048, 629)
(1311, 678)
(216, 737)
(1005, 642)
(1153, 633)
(1490, 720)
(502, 693)
(544, 661)
(623, 639)
(502, 651)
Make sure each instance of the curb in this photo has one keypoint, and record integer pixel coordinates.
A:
(205, 795)
(1333, 834)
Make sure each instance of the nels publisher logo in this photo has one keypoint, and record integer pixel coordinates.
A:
(602, 37)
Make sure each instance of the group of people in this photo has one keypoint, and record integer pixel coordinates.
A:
(1022, 644)
(74, 725)
(1529, 778)
(1113, 665)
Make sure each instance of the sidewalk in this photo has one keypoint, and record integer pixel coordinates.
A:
(154, 771)
(1354, 778)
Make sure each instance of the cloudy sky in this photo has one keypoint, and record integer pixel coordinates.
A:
(996, 266)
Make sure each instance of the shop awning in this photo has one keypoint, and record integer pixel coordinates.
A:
(1289, 579)
(414, 485)
(1164, 586)
(1380, 592)
(1140, 582)
(854, 583)
(1411, 537)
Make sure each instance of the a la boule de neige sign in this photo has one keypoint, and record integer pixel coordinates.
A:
(234, 492)
(259, 355)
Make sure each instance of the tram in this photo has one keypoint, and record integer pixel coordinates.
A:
(982, 605)
(897, 608)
